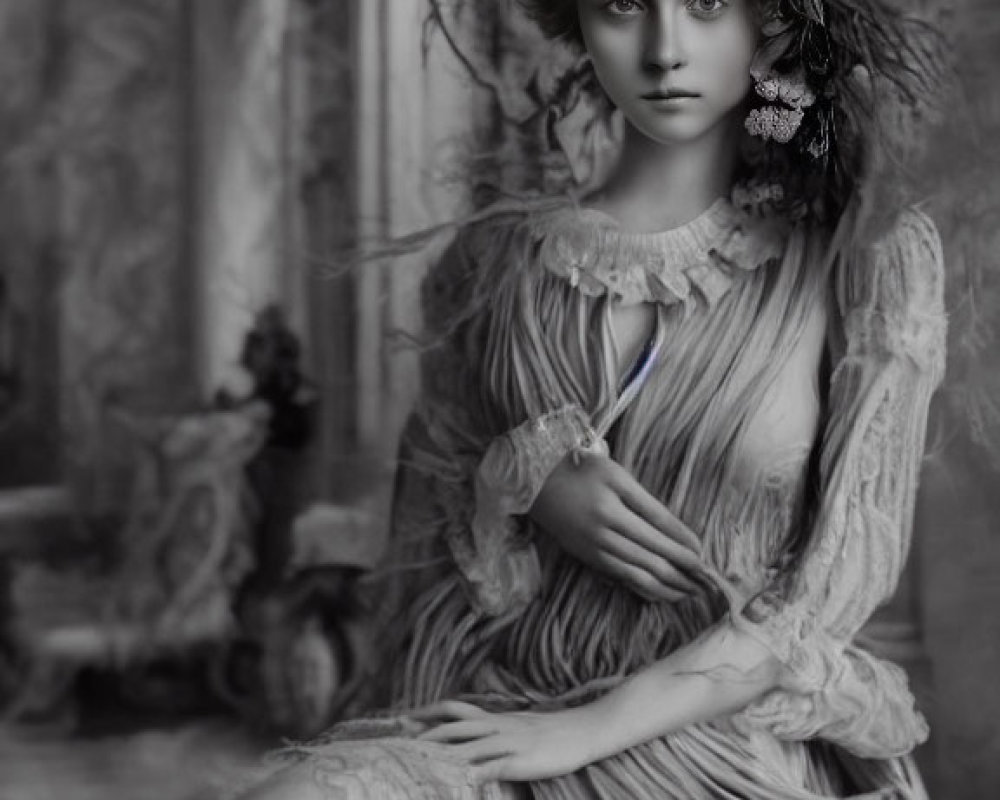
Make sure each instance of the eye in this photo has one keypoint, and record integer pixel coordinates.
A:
(706, 9)
(622, 7)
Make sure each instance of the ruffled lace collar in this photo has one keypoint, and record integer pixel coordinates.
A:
(591, 250)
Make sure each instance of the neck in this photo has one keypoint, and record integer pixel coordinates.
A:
(660, 186)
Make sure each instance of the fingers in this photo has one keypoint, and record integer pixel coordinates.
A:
(662, 550)
(641, 502)
(621, 545)
(640, 580)
(478, 742)
(487, 749)
(447, 709)
(491, 769)
(461, 731)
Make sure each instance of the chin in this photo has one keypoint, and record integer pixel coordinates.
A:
(674, 134)
(678, 129)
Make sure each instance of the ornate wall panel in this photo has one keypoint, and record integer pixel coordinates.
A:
(97, 173)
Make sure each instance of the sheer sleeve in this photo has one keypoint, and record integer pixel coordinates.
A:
(485, 476)
(892, 360)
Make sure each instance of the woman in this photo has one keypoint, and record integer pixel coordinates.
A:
(665, 458)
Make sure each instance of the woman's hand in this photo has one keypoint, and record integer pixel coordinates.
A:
(517, 746)
(602, 515)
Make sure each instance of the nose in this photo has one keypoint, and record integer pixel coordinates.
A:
(664, 45)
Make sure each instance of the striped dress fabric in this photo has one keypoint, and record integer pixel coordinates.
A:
(775, 406)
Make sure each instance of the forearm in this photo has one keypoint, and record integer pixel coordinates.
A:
(716, 675)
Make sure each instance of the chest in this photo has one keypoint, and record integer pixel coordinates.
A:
(782, 421)
(630, 329)
(781, 430)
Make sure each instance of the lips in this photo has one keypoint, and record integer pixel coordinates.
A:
(668, 94)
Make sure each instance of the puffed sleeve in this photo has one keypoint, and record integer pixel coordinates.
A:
(892, 360)
(485, 474)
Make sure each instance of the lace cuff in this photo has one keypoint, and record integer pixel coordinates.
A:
(499, 563)
(863, 704)
(852, 564)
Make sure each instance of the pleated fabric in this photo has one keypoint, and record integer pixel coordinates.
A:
(523, 326)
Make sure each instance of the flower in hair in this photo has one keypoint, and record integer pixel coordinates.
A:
(774, 122)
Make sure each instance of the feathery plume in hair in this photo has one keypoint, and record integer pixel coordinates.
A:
(875, 73)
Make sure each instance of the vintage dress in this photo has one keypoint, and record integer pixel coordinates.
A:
(799, 479)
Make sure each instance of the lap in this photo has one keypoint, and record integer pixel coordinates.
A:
(378, 768)
(292, 783)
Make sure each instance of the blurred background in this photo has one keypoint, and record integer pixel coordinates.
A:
(200, 391)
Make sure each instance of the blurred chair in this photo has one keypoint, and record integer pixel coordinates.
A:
(168, 584)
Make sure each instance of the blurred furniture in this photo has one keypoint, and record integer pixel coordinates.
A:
(163, 585)
(32, 520)
(304, 639)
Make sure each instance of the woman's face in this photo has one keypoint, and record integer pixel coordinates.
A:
(675, 68)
